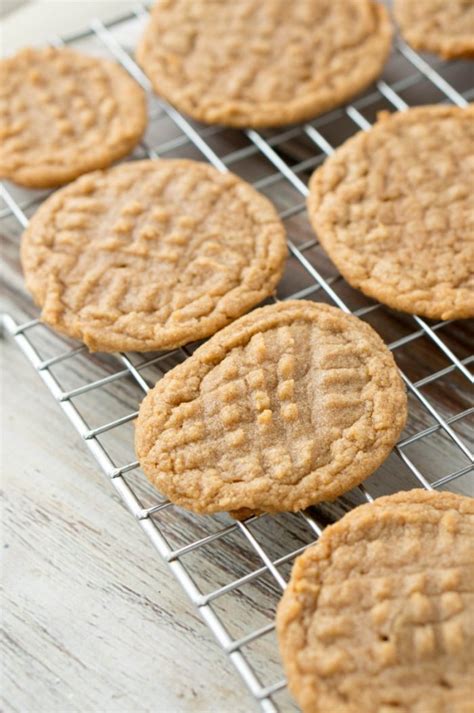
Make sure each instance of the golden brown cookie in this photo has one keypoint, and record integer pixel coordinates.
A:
(151, 254)
(254, 63)
(63, 113)
(378, 615)
(442, 26)
(393, 209)
(292, 404)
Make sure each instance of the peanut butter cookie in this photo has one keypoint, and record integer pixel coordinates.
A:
(292, 404)
(63, 113)
(253, 63)
(378, 615)
(445, 27)
(393, 209)
(151, 254)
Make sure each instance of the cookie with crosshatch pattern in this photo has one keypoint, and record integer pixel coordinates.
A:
(292, 404)
(253, 63)
(151, 255)
(378, 615)
(63, 113)
(442, 26)
(393, 209)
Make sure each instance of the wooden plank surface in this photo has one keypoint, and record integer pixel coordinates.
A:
(93, 621)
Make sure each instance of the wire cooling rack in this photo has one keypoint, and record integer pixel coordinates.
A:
(234, 572)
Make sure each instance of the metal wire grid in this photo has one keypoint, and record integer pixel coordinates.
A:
(251, 546)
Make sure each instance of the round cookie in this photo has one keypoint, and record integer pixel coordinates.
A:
(63, 114)
(253, 63)
(445, 27)
(151, 255)
(295, 403)
(392, 207)
(378, 614)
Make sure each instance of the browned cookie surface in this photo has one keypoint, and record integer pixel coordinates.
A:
(151, 254)
(393, 208)
(63, 113)
(378, 615)
(253, 63)
(442, 26)
(292, 404)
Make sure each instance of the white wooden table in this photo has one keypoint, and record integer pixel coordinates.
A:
(93, 621)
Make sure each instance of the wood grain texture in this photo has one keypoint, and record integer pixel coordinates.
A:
(93, 621)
